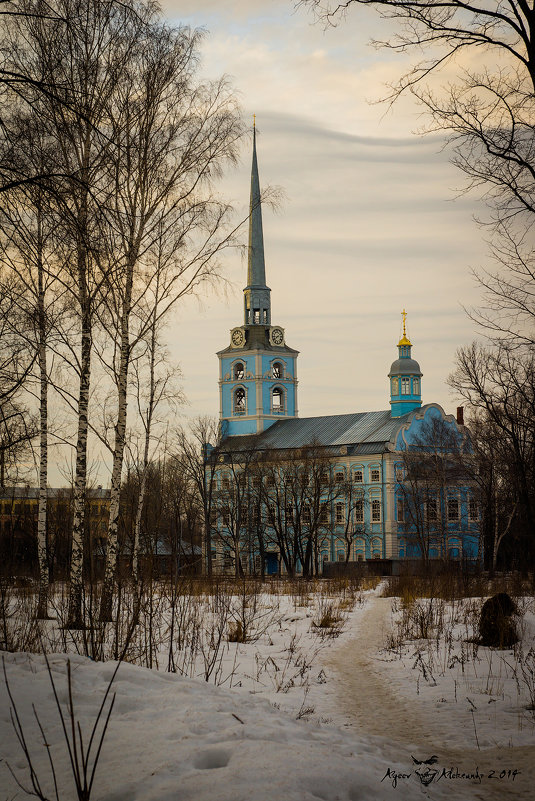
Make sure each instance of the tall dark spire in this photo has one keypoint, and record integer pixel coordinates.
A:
(257, 294)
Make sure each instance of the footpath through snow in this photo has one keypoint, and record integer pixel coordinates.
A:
(396, 720)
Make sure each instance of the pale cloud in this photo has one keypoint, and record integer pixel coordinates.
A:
(367, 229)
(369, 225)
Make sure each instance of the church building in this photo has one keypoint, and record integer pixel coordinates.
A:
(393, 485)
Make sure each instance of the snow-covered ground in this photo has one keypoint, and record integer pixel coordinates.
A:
(294, 714)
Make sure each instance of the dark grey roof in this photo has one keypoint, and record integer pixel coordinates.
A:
(362, 432)
(406, 367)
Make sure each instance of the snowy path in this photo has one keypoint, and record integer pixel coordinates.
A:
(371, 707)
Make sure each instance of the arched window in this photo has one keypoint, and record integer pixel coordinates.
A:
(415, 386)
(276, 370)
(395, 386)
(239, 401)
(277, 401)
(239, 371)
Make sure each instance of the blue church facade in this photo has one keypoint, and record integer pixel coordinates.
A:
(394, 485)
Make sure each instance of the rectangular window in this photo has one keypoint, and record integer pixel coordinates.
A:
(473, 511)
(339, 477)
(359, 512)
(340, 555)
(324, 479)
(399, 473)
(289, 512)
(306, 514)
(376, 511)
(405, 386)
(375, 474)
(400, 510)
(270, 481)
(256, 316)
(453, 509)
(416, 386)
(324, 514)
(395, 386)
(358, 476)
(339, 513)
(432, 511)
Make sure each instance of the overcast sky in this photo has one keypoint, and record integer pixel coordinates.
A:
(371, 222)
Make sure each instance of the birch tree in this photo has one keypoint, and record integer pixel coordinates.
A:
(81, 54)
(27, 225)
(172, 135)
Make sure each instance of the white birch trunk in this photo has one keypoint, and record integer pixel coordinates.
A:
(75, 618)
(148, 426)
(112, 544)
(75, 615)
(42, 606)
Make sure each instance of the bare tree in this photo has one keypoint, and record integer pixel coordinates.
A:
(27, 223)
(438, 470)
(196, 458)
(17, 426)
(234, 501)
(299, 492)
(84, 54)
(172, 135)
(488, 114)
(154, 381)
(499, 385)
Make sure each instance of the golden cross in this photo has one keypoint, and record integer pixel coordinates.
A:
(404, 314)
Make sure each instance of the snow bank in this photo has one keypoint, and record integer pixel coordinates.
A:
(173, 738)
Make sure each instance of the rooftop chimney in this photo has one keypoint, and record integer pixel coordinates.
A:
(460, 416)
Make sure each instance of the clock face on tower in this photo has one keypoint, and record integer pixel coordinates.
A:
(237, 337)
(277, 336)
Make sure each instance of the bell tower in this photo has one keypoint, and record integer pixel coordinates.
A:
(257, 370)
